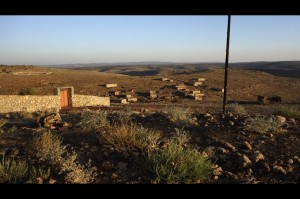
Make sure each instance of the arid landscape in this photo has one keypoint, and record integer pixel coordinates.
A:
(170, 138)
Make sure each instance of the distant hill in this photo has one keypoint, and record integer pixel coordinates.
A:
(278, 68)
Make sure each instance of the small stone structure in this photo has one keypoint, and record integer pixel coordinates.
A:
(180, 87)
(115, 93)
(132, 99)
(119, 100)
(268, 99)
(152, 94)
(197, 82)
(165, 79)
(111, 85)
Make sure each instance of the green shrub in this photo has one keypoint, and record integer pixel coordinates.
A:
(262, 124)
(12, 171)
(181, 117)
(288, 111)
(47, 147)
(175, 164)
(127, 136)
(94, 120)
(237, 109)
(26, 91)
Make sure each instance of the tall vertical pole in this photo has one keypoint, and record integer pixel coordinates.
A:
(226, 64)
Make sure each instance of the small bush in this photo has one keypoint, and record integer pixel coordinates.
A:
(129, 136)
(175, 164)
(262, 124)
(75, 172)
(237, 109)
(47, 147)
(12, 171)
(180, 116)
(181, 137)
(26, 91)
(121, 116)
(38, 176)
(3, 122)
(288, 111)
(11, 129)
(93, 120)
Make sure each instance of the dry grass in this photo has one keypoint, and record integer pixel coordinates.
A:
(237, 109)
(288, 111)
(38, 175)
(93, 120)
(47, 146)
(181, 117)
(75, 172)
(181, 137)
(263, 124)
(129, 136)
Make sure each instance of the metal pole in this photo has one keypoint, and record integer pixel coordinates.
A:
(226, 64)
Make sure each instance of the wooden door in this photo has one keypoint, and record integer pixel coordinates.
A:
(64, 98)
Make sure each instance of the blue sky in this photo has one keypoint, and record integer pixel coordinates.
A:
(90, 39)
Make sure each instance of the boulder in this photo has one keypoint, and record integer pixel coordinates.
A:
(51, 121)
(281, 119)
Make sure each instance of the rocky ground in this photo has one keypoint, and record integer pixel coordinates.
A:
(239, 155)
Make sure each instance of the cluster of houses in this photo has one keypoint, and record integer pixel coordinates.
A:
(181, 91)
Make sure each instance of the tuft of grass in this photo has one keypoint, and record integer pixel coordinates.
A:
(121, 116)
(47, 147)
(26, 91)
(175, 164)
(180, 116)
(237, 109)
(38, 175)
(127, 136)
(288, 111)
(262, 124)
(12, 171)
(75, 172)
(3, 121)
(181, 137)
(94, 120)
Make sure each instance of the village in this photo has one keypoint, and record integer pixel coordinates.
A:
(180, 90)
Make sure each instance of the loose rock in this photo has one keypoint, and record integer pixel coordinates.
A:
(122, 165)
(279, 169)
(281, 119)
(257, 156)
(246, 145)
(229, 146)
(244, 161)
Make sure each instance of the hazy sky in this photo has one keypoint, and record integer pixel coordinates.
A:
(89, 39)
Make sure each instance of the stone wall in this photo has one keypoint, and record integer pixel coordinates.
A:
(87, 100)
(33, 103)
(28, 103)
